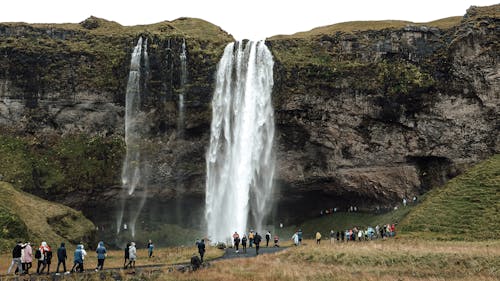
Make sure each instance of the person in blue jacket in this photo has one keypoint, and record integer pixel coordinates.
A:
(101, 255)
(78, 259)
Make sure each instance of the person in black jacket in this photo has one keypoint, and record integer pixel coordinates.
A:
(61, 257)
(201, 249)
(256, 240)
(16, 257)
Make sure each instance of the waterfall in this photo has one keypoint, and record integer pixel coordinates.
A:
(240, 160)
(133, 170)
(183, 58)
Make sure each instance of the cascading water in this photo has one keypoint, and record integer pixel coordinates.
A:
(133, 170)
(183, 58)
(240, 160)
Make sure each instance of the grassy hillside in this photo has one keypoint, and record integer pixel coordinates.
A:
(27, 217)
(467, 207)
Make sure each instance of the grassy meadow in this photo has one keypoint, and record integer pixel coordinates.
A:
(391, 259)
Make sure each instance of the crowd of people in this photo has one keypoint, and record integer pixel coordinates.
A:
(252, 239)
(352, 234)
(23, 256)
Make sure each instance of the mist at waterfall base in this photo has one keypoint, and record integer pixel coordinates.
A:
(240, 159)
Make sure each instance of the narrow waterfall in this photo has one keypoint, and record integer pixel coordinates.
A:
(183, 58)
(133, 170)
(240, 159)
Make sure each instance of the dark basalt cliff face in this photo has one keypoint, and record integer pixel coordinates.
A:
(366, 113)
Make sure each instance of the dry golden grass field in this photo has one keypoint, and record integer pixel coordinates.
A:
(392, 259)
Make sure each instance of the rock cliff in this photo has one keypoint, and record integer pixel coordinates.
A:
(367, 112)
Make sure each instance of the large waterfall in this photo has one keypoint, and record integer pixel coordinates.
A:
(133, 173)
(240, 160)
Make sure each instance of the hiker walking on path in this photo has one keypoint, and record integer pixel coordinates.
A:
(244, 243)
(42, 253)
(78, 259)
(268, 237)
(257, 239)
(61, 257)
(332, 236)
(27, 258)
(300, 236)
(276, 241)
(201, 249)
(101, 255)
(236, 240)
(16, 257)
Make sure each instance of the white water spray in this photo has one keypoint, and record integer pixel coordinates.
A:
(240, 160)
(132, 170)
(183, 58)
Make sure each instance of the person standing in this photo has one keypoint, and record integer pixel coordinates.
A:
(201, 249)
(132, 256)
(16, 257)
(332, 236)
(276, 241)
(101, 255)
(48, 257)
(318, 238)
(236, 241)
(300, 236)
(61, 257)
(268, 237)
(244, 243)
(250, 238)
(257, 239)
(151, 246)
(295, 238)
(126, 256)
(27, 258)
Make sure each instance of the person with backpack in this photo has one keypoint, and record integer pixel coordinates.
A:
(126, 256)
(101, 255)
(236, 240)
(78, 259)
(42, 254)
(201, 249)
(61, 257)
(268, 237)
(244, 243)
(257, 239)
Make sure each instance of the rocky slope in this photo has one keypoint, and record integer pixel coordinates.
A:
(367, 113)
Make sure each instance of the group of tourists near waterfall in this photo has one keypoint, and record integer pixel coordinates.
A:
(24, 255)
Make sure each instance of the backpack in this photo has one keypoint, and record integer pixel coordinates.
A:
(49, 255)
(38, 254)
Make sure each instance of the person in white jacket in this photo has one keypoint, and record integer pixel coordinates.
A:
(132, 256)
(295, 238)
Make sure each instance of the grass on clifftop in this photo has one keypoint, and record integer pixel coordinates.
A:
(27, 217)
(466, 208)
